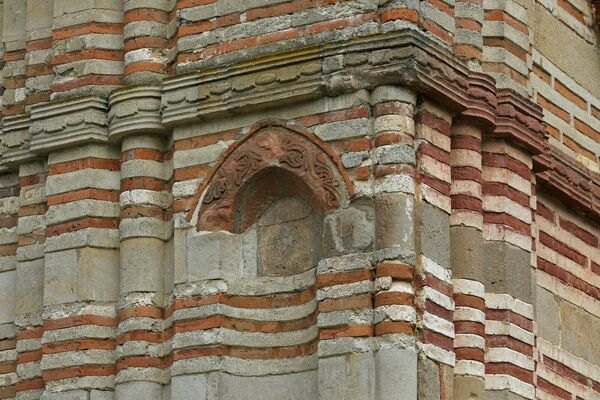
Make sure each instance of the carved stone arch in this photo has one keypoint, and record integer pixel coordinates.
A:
(273, 159)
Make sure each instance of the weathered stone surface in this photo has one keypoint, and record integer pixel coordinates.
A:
(466, 252)
(286, 238)
(435, 234)
(579, 332)
(394, 213)
(274, 199)
(507, 270)
(349, 230)
(548, 315)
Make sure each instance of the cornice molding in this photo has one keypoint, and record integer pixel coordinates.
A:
(68, 123)
(405, 58)
(15, 140)
(134, 109)
(572, 183)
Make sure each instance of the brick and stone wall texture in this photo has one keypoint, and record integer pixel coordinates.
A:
(300, 199)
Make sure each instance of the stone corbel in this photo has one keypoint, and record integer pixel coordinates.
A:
(68, 123)
(134, 109)
(15, 141)
(572, 183)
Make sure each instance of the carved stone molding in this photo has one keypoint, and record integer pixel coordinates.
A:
(406, 58)
(571, 182)
(134, 109)
(68, 123)
(15, 141)
(282, 152)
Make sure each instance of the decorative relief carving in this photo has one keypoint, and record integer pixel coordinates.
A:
(266, 150)
(68, 122)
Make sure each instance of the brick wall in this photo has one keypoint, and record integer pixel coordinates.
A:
(311, 199)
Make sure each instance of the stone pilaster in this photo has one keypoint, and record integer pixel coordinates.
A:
(467, 271)
(432, 229)
(145, 225)
(509, 204)
(39, 51)
(30, 272)
(148, 27)
(81, 248)
(9, 206)
(468, 40)
(13, 36)
(88, 48)
(395, 315)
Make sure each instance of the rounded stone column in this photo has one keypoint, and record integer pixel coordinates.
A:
(466, 243)
(395, 315)
(144, 228)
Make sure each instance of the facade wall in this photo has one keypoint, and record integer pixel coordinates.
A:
(309, 199)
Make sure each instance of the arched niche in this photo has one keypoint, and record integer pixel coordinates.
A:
(274, 185)
(272, 160)
(276, 203)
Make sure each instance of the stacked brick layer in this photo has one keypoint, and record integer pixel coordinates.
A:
(299, 199)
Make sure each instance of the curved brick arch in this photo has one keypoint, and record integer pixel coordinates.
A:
(278, 154)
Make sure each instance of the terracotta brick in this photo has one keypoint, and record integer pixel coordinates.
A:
(147, 14)
(565, 371)
(84, 29)
(571, 10)
(494, 341)
(341, 278)
(405, 14)
(76, 372)
(510, 369)
(500, 15)
(553, 389)
(346, 331)
(469, 353)
(562, 248)
(542, 74)
(438, 340)
(578, 231)
(345, 303)
(384, 328)
(586, 129)
(466, 300)
(570, 95)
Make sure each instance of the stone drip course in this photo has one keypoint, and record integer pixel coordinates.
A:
(312, 199)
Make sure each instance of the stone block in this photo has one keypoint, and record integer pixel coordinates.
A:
(344, 129)
(466, 253)
(297, 386)
(185, 387)
(547, 315)
(382, 94)
(67, 395)
(138, 391)
(142, 265)
(396, 374)
(469, 387)
(103, 395)
(435, 234)
(8, 286)
(565, 49)
(30, 286)
(507, 270)
(350, 376)
(428, 380)
(214, 255)
(286, 238)
(394, 220)
(579, 332)
(349, 230)
(81, 274)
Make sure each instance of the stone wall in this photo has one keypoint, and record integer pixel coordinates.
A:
(308, 199)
